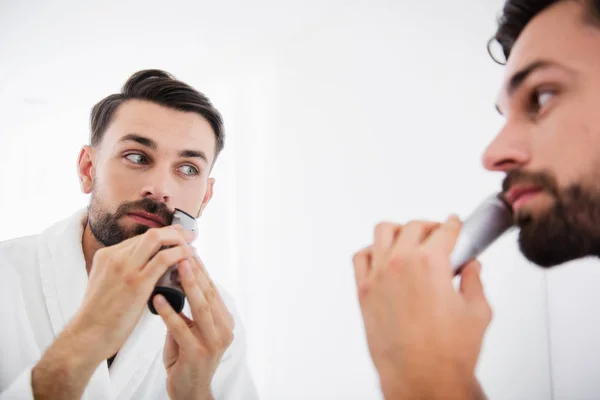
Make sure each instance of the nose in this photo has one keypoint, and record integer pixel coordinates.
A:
(158, 185)
(509, 150)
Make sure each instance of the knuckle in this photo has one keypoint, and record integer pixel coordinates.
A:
(225, 341)
(210, 294)
(112, 261)
(358, 270)
(203, 306)
(199, 352)
(424, 256)
(384, 226)
(360, 256)
(179, 324)
(101, 257)
(130, 280)
(398, 260)
(218, 344)
(364, 289)
(484, 313)
(230, 338)
(487, 313)
(162, 257)
(117, 266)
(417, 258)
(417, 226)
(189, 251)
(230, 322)
(101, 254)
(413, 224)
(153, 235)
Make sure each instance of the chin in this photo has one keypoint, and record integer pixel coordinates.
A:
(138, 229)
(538, 208)
(131, 229)
(552, 238)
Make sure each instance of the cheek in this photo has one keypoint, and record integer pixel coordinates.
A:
(117, 181)
(567, 142)
(191, 195)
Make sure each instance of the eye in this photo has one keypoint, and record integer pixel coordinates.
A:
(540, 98)
(137, 158)
(544, 96)
(189, 170)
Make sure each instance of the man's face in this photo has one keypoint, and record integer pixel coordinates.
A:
(550, 144)
(151, 160)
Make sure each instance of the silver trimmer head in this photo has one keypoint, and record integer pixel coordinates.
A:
(480, 229)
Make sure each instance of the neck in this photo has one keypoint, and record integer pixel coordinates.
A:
(90, 246)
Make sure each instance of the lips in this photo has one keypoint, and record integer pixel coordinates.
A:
(519, 194)
(147, 218)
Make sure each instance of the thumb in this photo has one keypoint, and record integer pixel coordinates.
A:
(470, 282)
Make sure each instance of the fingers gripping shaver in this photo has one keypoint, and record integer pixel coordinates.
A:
(169, 284)
(480, 229)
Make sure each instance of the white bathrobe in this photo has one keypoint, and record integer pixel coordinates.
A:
(42, 284)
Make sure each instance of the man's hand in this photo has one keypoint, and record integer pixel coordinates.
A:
(194, 348)
(120, 283)
(423, 335)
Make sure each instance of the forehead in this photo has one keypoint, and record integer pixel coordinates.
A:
(170, 129)
(558, 34)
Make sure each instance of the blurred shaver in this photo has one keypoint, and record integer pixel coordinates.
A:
(480, 229)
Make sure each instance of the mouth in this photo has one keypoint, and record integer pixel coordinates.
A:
(519, 195)
(148, 219)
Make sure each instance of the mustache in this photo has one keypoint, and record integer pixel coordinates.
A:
(148, 205)
(544, 180)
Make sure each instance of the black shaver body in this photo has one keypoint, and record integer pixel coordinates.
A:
(169, 284)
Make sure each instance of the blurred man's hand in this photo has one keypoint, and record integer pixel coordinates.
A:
(424, 336)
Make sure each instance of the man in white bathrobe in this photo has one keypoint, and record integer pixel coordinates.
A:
(75, 316)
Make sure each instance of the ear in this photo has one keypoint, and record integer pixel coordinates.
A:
(85, 169)
(207, 196)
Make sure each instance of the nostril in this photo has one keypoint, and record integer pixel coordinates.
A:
(504, 164)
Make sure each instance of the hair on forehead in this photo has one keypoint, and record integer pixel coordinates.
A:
(517, 14)
(158, 87)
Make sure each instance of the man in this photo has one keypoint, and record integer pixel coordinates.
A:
(424, 336)
(75, 318)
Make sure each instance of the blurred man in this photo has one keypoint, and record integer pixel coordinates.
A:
(75, 319)
(424, 336)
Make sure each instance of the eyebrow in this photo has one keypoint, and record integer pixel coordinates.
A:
(132, 137)
(151, 144)
(517, 80)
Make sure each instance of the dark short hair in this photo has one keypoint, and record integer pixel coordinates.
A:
(516, 15)
(161, 88)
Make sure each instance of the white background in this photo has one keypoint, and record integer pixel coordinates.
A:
(339, 114)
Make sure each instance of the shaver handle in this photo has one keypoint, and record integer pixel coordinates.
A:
(480, 229)
(169, 285)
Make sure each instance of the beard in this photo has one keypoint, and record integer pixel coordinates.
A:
(568, 230)
(106, 226)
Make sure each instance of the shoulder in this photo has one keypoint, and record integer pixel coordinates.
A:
(18, 251)
(18, 260)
